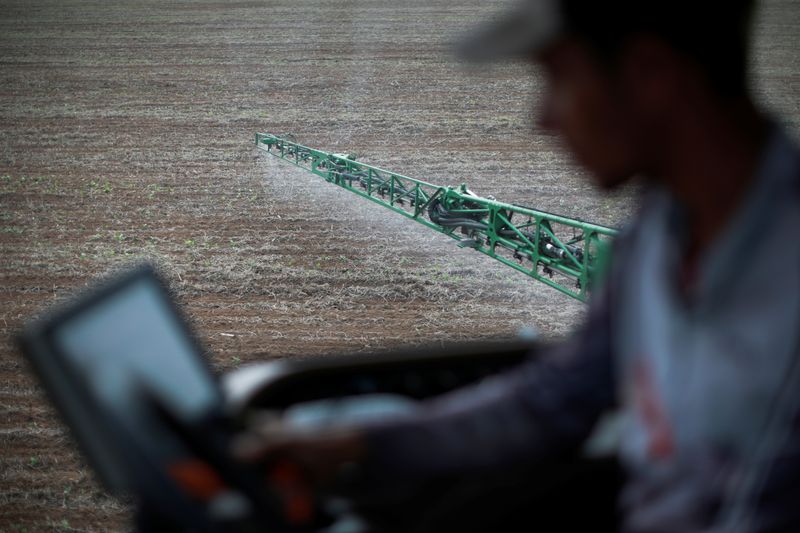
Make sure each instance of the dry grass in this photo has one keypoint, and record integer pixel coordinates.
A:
(127, 133)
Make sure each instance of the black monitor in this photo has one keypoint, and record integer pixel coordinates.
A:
(105, 359)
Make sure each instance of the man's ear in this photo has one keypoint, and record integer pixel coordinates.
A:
(650, 74)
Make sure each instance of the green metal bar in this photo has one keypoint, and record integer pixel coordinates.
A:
(469, 211)
(483, 224)
(561, 246)
(514, 228)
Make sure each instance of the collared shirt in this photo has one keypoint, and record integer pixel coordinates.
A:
(701, 373)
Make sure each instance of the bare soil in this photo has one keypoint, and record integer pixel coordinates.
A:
(126, 133)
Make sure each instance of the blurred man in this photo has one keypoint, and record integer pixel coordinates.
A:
(696, 333)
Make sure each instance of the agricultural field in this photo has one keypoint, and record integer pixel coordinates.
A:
(126, 134)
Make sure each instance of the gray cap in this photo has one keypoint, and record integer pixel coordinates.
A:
(706, 26)
(531, 25)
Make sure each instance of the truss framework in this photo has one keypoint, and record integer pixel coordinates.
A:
(565, 253)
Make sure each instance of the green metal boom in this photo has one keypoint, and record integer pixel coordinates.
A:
(562, 252)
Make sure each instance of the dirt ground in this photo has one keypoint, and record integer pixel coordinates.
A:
(126, 133)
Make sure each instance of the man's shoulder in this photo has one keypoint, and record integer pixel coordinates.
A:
(781, 160)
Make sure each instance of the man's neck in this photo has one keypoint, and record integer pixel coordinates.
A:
(714, 156)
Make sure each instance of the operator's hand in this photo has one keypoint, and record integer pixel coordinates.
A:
(299, 463)
(319, 456)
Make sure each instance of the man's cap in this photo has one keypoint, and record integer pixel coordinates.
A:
(532, 25)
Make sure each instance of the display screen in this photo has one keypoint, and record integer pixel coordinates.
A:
(125, 349)
(133, 339)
